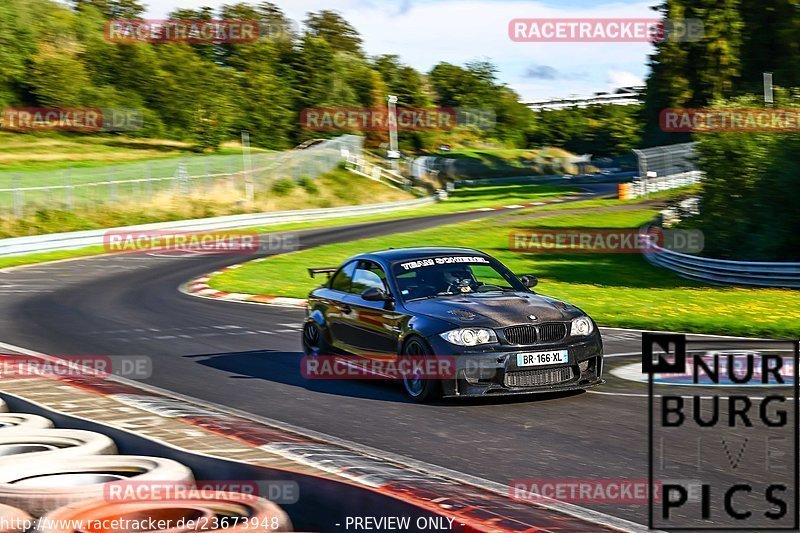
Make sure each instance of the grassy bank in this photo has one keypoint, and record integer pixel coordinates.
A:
(51, 151)
(493, 163)
(461, 200)
(337, 188)
(621, 290)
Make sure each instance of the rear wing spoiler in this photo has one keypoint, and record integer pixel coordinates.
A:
(330, 271)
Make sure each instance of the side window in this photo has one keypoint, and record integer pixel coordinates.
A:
(343, 280)
(368, 275)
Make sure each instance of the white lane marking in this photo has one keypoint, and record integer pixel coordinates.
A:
(688, 334)
(628, 354)
(688, 397)
(582, 513)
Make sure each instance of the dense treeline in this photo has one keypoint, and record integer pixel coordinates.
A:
(56, 56)
(52, 55)
(742, 40)
(750, 201)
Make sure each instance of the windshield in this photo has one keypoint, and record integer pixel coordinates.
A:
(451, 275)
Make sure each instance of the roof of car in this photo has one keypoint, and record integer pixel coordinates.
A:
(401, 254)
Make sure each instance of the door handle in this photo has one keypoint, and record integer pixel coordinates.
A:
(346, 309)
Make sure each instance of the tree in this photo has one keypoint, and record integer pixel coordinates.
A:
(17, 46)
(333, 28)
(113, 9)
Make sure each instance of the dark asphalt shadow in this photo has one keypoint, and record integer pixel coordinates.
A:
(285, 368)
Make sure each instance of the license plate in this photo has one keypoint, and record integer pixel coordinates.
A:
(542, 358)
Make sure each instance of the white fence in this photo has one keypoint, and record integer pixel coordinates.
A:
(140, 183)
(646, 186)
(376, 172)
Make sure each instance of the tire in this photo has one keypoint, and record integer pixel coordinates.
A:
(39, 487)
(23, 422)
(419, 390)
(205, 505)
(51, 445)
(3, 406)
(314, 343)
(13, 520)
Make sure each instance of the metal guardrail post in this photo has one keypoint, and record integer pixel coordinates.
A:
(19, 199)
(69, 190)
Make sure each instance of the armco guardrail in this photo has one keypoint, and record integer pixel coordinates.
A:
(723, 272)
(644, 186)
(82, 239)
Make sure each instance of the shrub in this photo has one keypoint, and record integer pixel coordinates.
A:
(283, 186)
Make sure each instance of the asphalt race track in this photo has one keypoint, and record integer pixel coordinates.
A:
(247, 356)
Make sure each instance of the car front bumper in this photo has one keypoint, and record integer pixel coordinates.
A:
(493, 370)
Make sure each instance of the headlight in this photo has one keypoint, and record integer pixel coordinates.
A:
(469, 336)
(581, 327)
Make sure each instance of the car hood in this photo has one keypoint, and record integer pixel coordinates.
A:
(495, 310)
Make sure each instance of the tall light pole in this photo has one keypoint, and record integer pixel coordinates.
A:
(394, 153)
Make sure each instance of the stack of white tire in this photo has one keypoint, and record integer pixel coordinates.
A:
(52, 477)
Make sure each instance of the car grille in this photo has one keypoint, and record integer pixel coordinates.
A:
(530, 334)
(520, 334)
(537, 378)
(552, 332)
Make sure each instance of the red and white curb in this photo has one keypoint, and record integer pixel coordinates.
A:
(523, 205)
(200, 288)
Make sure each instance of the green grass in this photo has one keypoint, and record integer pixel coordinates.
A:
(47, 257)
(336, 188)
(621, 290)
(341, 184)
(47, 151)
(478, 163)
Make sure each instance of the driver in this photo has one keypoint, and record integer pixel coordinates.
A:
(459, 279)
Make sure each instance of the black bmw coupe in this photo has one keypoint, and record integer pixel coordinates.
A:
(454, 303)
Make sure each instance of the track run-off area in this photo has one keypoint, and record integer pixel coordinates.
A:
(247, 357)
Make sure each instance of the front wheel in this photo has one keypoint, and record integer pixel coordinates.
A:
(417, 388)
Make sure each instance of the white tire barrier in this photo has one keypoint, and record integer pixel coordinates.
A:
(23, 422)
(40, 487)
(196, 511)
(13, 520)
(51, 445)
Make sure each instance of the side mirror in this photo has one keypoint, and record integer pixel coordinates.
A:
(529, 281)
(374, 294)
